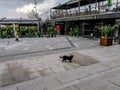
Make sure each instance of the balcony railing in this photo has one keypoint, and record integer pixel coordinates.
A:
(115, 7)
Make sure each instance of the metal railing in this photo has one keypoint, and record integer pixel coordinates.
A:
(115, 7)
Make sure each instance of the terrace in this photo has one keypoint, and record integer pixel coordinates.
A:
(85, 9)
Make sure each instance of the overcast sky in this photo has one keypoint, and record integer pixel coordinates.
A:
(20, 8)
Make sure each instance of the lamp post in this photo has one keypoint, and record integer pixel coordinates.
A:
(37, 17)
(117, 4)
(15, 32)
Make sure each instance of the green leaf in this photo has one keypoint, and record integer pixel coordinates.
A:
(107, 28)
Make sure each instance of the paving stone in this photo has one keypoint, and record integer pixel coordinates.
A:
(67, 84)
(75, 65)
(70, 75)
(30, 85)
(95, 68)
(107, 75)
(83, 60)
(57, 69)
(62, 76)
(51, 83)
(30, 70)
(20, 78)
(3, 66)
(102, 76)
(5, 75)
(115, 80)
(17, 72)
(112, 63)
(45, 72)
(5, 70)
(6, 82)
(8, 88)
(96, 85)
(39, 84)
(34, 75)
(14, 88)
(69, 88)
(101, 54)
(68, 67)
(113, 72)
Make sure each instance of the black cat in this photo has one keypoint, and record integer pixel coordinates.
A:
(65, 58)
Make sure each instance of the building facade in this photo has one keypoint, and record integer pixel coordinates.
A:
(86, 15)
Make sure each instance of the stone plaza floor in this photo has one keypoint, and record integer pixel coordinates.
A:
(29, 47)
(34, 64)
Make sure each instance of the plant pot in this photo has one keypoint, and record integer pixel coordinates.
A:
(106, 41)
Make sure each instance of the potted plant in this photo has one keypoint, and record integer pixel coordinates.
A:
(105, 40)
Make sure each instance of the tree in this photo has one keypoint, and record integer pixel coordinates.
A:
(33, 15)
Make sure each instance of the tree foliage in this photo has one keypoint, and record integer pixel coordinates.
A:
(33, 15)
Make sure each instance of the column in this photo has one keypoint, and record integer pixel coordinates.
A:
(83, 28)
(117, 4)
(50, 14)
(15, 33)
(89, 7)
(98, 7)
(66, 11)
(65, 27)
(79, 6)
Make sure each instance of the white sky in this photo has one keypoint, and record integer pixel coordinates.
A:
(20, 8)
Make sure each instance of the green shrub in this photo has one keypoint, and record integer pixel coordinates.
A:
(31, 31)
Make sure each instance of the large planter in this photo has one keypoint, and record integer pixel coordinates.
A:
(106, 41)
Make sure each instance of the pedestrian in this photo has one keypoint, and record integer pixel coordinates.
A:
(17, 39)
